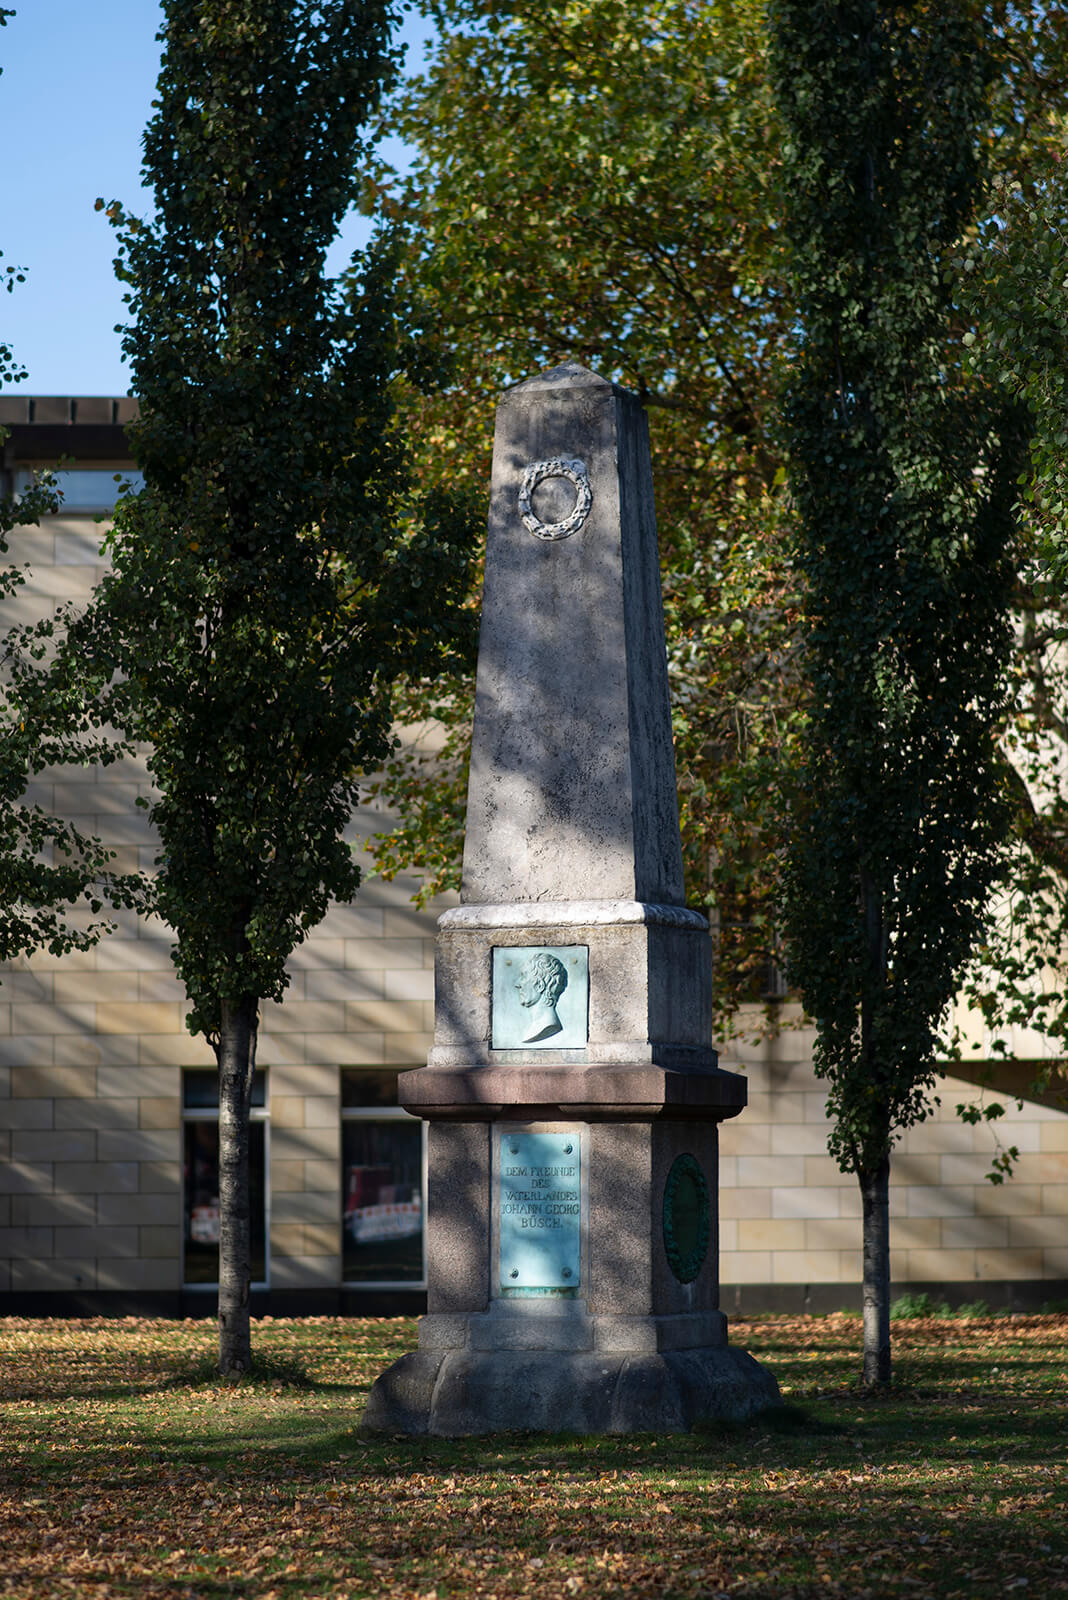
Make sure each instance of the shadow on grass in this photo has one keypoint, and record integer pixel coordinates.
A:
(305, 1424)
(268, 1371)
(788, 1421)
(181, 1372)
(884, 1432)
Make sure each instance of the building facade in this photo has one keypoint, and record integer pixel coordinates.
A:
(109, 1109)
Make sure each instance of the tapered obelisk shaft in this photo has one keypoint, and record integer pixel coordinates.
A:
(572, 789)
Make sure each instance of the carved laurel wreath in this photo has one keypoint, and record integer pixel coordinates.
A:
(559, 467)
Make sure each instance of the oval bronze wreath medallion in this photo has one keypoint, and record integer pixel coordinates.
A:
(687, 1218)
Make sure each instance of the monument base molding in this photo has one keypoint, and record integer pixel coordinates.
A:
(454, 1393)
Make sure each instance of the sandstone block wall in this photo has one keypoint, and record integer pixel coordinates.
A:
(93, 1044)
(790, 1220)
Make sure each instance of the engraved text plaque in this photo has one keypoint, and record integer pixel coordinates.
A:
(540, 1210)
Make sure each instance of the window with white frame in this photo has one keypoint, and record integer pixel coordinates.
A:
(200, 1178)
(383, 1181)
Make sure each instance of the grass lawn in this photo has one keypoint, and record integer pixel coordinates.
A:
(126, 1470)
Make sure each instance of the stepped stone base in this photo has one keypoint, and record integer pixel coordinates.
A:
(452, 1393)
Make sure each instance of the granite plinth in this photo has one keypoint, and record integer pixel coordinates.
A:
(615, 1091)
(455, 1393)
(625, 1272)
(633, 1349)
(647, 1051)
(553, 1324)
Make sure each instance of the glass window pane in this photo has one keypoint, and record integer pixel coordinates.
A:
(382, 1226)
(86, 488)
(368, 1086)
(201, 1201)
(200, 1090)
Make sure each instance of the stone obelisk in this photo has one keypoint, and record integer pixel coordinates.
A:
(573, 1092)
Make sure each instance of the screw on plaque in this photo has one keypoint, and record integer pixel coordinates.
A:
(514, 1148)
(565, 1272)
(514, 1272)
(568, 1149)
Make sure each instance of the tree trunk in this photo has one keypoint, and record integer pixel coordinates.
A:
(237, 1058)
(875, 1198)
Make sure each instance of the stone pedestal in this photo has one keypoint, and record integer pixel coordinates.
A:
(633, 1340)
(573, 1092)
(630, 1348)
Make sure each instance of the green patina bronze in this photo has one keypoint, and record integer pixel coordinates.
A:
(687, 1218)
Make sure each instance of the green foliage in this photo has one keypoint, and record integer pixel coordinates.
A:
(902, 473)
(49, 868)
(1018, 980)
(597, 182)
(1014, 280)
(1016, 274)
(277, 572)
(645, 241)
(1004, 1159)
(11, 369)
(906, 1306)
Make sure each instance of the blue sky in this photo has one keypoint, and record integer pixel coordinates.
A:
(76, 92)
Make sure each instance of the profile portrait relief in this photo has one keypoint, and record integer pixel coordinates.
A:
(540, 997)
(541, 982)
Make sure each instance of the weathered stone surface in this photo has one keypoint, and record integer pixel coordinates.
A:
(555, 1325)
(572, 789)
(649, 985)
(639, 1087)
(693, 1331)
(469, 1392)
(624, 1269)
(582, 1300)
(570, 914)
(458, 1216)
